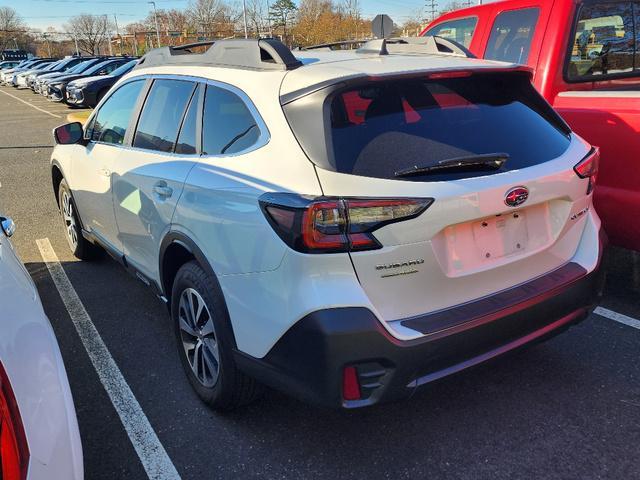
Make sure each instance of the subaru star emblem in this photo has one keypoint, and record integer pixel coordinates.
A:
(516, 196)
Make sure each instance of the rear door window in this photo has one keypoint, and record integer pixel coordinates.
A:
(604, 43)
(421, 122)
(511, 35)
(227, 126)
(459, 30)
(187, 138)
(162, 114)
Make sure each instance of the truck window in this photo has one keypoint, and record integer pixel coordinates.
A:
(603, 44)
(511, 36)
(460, 30)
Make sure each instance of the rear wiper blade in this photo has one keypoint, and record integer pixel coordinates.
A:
(486, 161)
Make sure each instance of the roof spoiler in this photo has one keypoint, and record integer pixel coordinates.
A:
(252, 54)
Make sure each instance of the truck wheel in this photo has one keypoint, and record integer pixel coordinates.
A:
(80, 246)
(205, 340)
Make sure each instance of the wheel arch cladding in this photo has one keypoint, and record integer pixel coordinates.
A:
(56, 178)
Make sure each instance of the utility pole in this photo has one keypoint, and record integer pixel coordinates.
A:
(118, 33)
(135, 43)
(269, 20)
(48, 44)
(244, 14)
(432, 7)
(155, 16)
(75, 40)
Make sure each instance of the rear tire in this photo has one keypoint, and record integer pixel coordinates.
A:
(205, 340)
(80, 246)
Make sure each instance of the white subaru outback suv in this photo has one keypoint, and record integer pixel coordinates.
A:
(343, 226)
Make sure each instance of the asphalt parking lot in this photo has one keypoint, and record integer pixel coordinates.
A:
(566, 409)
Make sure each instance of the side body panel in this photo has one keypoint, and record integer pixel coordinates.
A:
(31, 358)
(142, 214)
(90, 182)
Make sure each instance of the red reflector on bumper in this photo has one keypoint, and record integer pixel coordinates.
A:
(350, 385)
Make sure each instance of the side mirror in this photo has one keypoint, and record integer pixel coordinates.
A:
(8, 226)
(68, 134)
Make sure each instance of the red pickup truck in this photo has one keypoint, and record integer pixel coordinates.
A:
(586, 61)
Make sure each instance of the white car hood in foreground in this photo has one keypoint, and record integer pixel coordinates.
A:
(31, 358)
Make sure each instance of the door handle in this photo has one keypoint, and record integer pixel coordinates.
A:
(162, 190)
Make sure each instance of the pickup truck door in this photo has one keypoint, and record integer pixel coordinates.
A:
(91, 178)
(148, 180)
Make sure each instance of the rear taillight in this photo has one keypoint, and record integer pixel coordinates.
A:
(588, 167)
(14, 453)
(330, 225)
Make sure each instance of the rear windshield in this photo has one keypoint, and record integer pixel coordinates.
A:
(376, 129)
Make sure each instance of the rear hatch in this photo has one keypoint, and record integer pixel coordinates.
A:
(494, 157)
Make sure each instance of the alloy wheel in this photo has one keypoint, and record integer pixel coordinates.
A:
(68, 215)
(198, 337)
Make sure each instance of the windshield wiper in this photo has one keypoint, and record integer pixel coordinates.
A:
(486, 161)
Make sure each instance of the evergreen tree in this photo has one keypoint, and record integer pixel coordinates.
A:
(280, 13)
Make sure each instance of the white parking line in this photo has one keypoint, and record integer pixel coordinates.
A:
(618, 317)
(31, 105)
(152, 454)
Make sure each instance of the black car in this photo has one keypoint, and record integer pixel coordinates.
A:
(56, 89)
(89, 91)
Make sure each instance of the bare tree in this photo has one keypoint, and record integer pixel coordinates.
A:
(207, 15)
(11, 27)
(257, 16)
(90, 31)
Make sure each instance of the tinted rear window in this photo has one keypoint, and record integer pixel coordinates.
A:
(379, 128)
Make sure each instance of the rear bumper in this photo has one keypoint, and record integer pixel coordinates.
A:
(309, 359)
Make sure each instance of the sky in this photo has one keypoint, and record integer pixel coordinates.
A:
(42, 14)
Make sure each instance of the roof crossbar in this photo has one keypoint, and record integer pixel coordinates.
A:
(415, 45)
(328, 46)
(188, 46)
(252, 54)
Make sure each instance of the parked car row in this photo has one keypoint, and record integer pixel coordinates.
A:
(78, 81)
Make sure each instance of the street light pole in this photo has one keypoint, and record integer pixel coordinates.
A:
(118, 33)
(155, 16)
(244, 14)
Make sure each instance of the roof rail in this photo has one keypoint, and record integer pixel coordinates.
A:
(328, 46)
(430, 44)
(252, 54)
